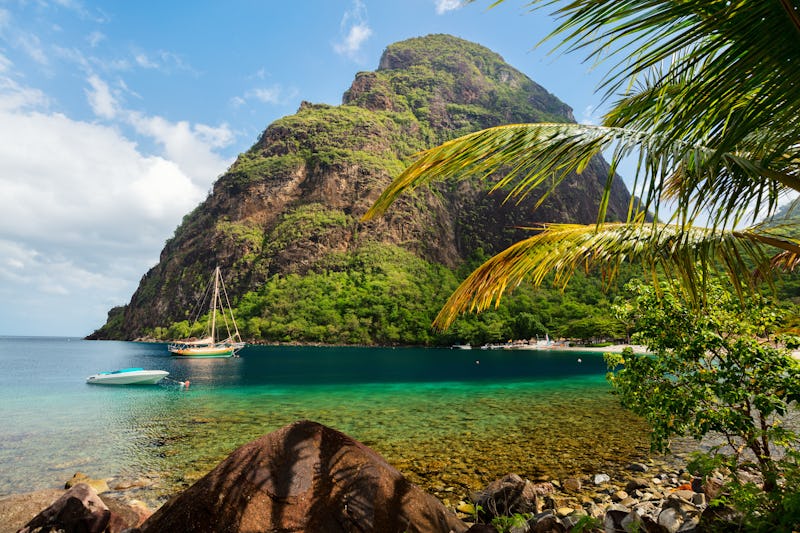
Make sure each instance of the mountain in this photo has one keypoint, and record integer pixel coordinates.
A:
(283, 221)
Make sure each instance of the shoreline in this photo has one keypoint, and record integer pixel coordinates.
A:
(17, 509)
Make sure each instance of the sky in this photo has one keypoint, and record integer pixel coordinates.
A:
(116, 118)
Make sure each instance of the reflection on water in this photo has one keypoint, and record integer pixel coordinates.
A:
(447, 421)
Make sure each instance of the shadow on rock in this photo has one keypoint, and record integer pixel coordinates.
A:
(304, 477)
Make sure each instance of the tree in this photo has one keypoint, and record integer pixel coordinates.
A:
(709, 370)
(708, 103)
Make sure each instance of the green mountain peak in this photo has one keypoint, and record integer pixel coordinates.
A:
(283, 221)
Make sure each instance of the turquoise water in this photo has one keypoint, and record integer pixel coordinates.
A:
(451, 420)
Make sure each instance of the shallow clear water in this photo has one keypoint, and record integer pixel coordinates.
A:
(451, 420)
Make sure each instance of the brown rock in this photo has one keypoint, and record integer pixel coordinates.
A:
(508, 495)
(127, 513)
(571, 484)
(303, 477)
(79, 509)
(712, 487)
(636, 483)
(548, 524)
(619, 495)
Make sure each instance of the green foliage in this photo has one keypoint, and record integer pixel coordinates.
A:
(758, 510)
(459, 86)
(587, 523)
(241, 234)
(305, 222)
(711, 371)
(251, 166)
(506, 524)
(378, 294)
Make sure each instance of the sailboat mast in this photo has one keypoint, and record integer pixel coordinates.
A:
(214, 306)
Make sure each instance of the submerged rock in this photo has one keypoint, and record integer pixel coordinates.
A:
(99, 485)
(304, 477)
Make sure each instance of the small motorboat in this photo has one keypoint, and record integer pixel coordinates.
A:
(128, 376)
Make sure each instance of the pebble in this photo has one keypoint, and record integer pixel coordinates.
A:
(619, 495)
(665, 498)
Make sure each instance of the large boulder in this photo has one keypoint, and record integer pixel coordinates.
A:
(304, 477)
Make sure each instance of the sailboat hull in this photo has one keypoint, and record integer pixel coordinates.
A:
(204, 351)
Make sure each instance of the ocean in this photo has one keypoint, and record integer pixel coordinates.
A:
(450, 420)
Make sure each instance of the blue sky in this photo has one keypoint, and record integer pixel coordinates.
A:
(116, 117)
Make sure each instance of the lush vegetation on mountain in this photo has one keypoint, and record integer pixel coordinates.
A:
(382, 294)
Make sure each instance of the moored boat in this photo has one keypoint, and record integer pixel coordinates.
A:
(128, 376)
(222, 334)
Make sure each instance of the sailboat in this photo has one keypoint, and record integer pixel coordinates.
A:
(222, 335)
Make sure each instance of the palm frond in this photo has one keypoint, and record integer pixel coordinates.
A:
(561, 249)
(539, 156)
(748, 54)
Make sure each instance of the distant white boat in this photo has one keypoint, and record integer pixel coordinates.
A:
(128, 376)
(461, 347)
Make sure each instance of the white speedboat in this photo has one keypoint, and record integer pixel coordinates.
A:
(128, 376)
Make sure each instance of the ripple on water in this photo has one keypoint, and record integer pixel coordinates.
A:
(442, 437)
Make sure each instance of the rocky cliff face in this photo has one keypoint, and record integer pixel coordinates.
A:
(291, 204)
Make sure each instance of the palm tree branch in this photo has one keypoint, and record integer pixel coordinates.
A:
(560, 249)
(529, 156)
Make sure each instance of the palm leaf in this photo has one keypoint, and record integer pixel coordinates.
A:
(561, 249)
(531, 156)
(747, 50)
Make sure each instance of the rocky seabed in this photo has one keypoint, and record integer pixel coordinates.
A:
(308, 477)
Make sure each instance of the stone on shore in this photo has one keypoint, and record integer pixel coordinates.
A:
(78, 509)
(509, 495)
(304, 477)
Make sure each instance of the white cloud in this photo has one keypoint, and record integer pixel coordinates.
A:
(86, 211)
(274, 94)
(162, 61)
(15, 96)
(270, 95)
(100, 98)
(443, 6)
(353, 41)
(5, 63)
(189, 147)
(95, 38)
(591, 115)
(143, 61)
(354, 30)
(33, 47)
